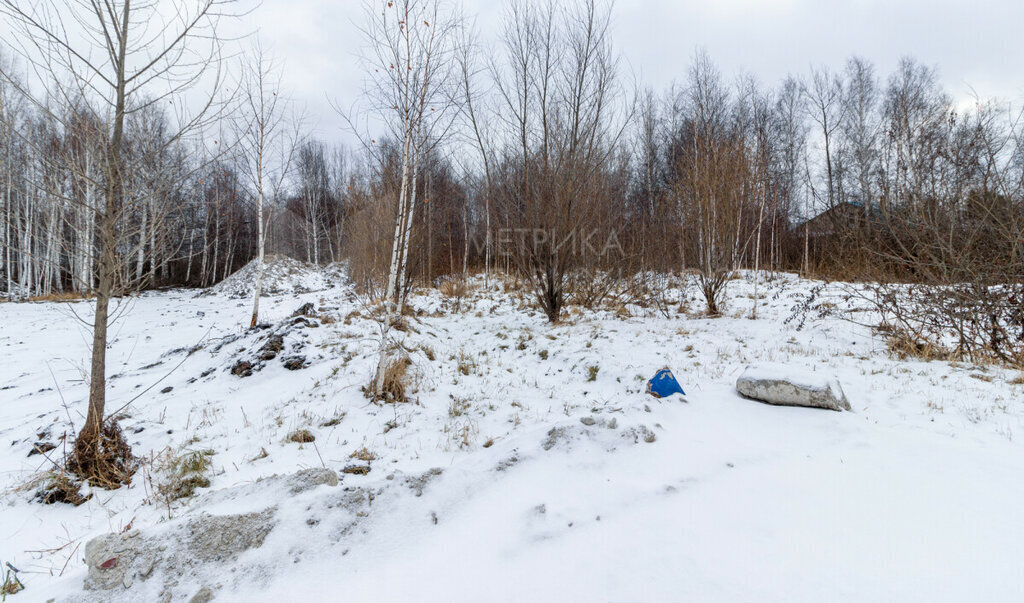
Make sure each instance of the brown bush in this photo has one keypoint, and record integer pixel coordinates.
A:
(104, 460)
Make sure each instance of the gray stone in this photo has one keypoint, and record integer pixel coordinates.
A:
(784, 386)
(225, 537)
(638, 433)
(122, 559)
(110, 558)
(588, 421)
(307, 479)
(554, 435)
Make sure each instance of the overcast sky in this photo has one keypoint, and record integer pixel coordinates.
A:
(976, 45)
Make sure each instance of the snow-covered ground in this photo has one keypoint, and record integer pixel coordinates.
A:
(557, 481)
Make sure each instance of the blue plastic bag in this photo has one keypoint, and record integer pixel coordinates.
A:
(663, 384)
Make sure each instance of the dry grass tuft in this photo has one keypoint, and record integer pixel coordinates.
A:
(396, 380)
(904, 345)
(60, 487)
(466, 364)
(11, 584)
(363, 454)
(335, 420)
(104, 460)
(185, 473)
(66, 296)
(301, 436)
(454, 287)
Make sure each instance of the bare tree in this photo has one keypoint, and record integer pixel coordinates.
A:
(711, 179)
(824, 94)
(564, 117)
(475, 113)
(861, 131)
(270, 135)
(410, 61)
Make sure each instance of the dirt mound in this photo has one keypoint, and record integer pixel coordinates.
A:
(281, 276)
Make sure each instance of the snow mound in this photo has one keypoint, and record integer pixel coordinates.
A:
(281, 276)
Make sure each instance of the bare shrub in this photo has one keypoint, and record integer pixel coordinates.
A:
(967, 321)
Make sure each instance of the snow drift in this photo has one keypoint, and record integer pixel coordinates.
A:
(282, 275)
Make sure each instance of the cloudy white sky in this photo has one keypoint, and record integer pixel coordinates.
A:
(976, 45)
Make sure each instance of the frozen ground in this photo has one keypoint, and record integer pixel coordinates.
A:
(915, 495)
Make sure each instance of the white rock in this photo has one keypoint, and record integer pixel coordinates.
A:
(786, 386)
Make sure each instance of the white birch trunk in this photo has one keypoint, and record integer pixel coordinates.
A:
(141, 255)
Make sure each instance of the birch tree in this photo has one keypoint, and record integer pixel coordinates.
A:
(270, 137)
(410, 63)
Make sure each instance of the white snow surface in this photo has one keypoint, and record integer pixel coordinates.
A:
(814, 377)
(914, 496)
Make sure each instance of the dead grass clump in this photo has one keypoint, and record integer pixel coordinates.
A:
(65, 296)
(363, 454)
(401, 323)
(59, 487)
(466, 365)
(181, 487)
(905, 345)
(11, 585)
(458, 407)
(335, 420)
(454, 287)
(396, 381)
(301, 436)
(185, 473)
(104, 459)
